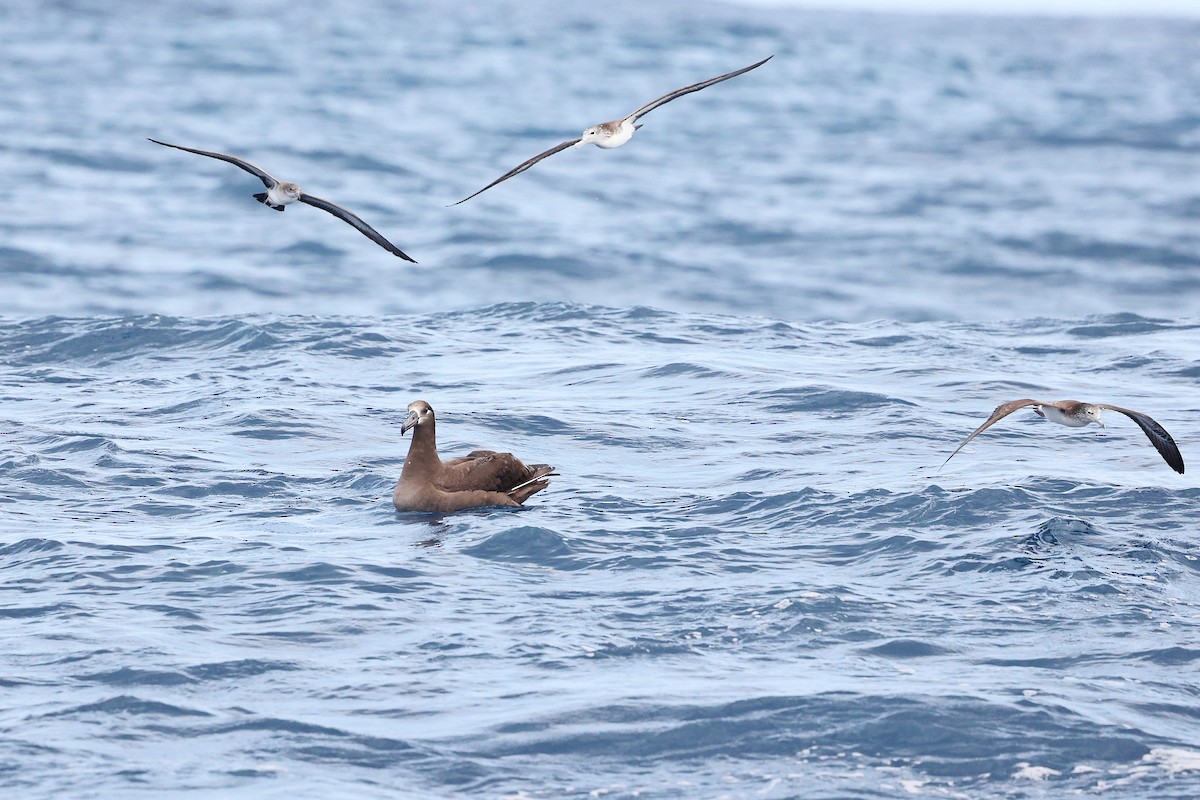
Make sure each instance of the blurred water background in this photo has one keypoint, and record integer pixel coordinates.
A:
(748, 340)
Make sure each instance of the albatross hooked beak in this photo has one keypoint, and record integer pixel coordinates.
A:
(410, 422)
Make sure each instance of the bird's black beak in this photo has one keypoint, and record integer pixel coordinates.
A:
(411, 422)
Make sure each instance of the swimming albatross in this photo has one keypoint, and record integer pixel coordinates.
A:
(618, 131)
(1075, 414)
(481, 478)
(281, 193)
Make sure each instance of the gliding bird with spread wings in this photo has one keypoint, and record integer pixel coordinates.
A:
(1075, 414)
(618, 131)
(281, 193)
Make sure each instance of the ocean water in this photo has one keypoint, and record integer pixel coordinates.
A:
(748, 340)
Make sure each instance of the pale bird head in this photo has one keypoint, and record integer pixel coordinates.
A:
(590, 136)
(419, 413)
(1092, 413)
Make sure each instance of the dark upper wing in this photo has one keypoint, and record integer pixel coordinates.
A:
(524, 166)
(695, 87)
(356, 221)
(1157, 435)
(264, 176)
(483, 470)
(1002, 411)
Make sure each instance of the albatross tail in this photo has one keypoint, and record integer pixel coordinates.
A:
(540, 480)
(262, 198)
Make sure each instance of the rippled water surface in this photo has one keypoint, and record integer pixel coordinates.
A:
(748, 340)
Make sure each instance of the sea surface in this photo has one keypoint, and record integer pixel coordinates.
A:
(748, 340)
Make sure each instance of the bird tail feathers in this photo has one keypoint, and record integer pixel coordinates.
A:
(537, 482)
(262, 198)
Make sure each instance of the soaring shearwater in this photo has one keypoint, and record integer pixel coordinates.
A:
(480, 478)
(1075, 414)
(618, 131)
(281, 193)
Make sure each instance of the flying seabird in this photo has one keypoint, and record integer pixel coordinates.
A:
(481, 478)
(281, 193)
(1075, 414)
(618, 131)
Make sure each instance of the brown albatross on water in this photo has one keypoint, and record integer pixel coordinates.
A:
(481, 478)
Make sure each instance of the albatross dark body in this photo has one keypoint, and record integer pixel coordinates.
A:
(481, 478)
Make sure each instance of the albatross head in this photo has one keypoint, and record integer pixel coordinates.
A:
(419, 413)
(282, 194)
(589, 136)
(1090, 413)
(290, 190)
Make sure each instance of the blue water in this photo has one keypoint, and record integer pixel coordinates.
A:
(748, 340)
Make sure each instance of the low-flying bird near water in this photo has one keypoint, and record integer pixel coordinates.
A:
(1075, 414)
(618, 131)
(281, 193)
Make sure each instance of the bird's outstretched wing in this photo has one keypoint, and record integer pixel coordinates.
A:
(695, 87)
(1002, 411)
(524, 166)
(267, 178)
(1157, 435)
(353, 219)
